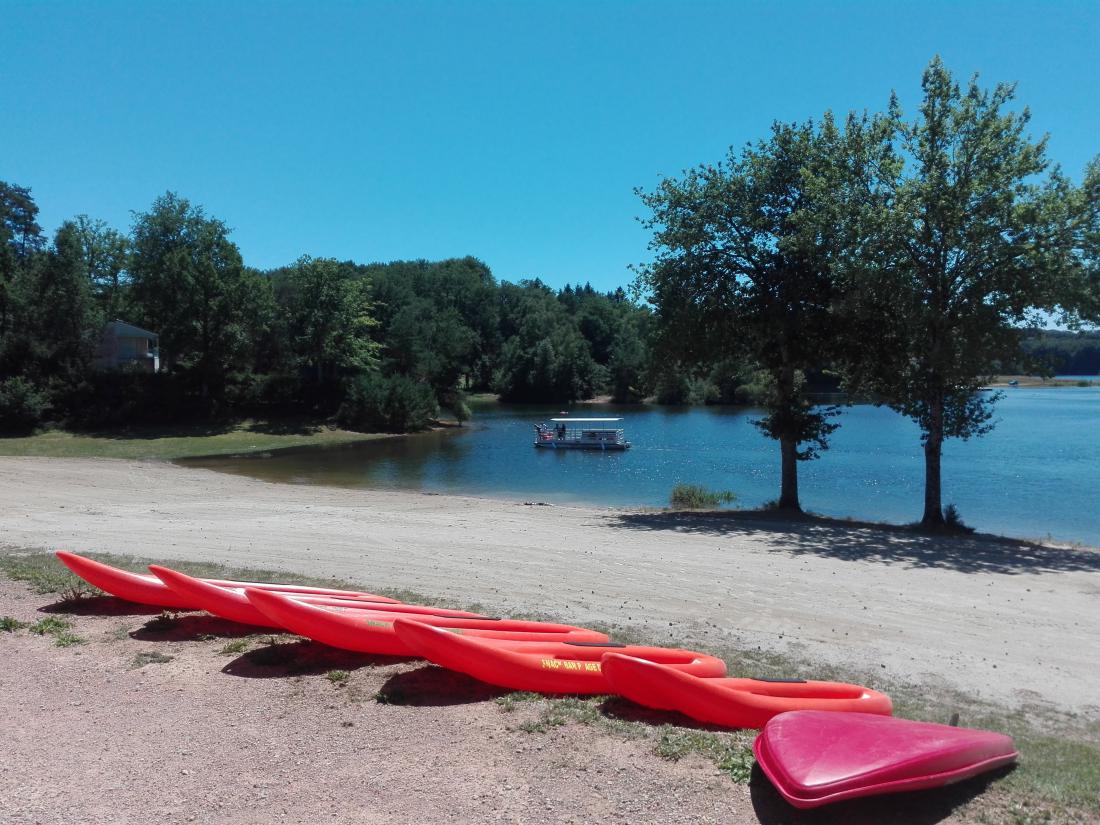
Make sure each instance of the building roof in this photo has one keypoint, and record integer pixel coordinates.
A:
(585, 420)
(122, 328)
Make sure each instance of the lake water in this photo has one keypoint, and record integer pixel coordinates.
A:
(1036, 474)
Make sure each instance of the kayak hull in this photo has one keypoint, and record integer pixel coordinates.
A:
(542, 667)
(228, 600)
(132, 587)
(815, 758)
(372, 631)
(734, 703)
(144, 588)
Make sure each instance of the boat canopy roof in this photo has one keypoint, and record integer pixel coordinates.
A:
(585, 420)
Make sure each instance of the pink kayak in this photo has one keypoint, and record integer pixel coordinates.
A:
(814, 758)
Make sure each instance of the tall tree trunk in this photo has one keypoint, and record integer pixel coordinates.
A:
(788, 485)
(933, 451)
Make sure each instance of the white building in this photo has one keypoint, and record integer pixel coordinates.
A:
(122, 345)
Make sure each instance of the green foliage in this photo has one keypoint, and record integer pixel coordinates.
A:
(731, 753)
(695, 497)
(742, 271)
(192, 288)
(953, 243)
(60, 629)
(106, 256)
(545, 358)
(394, 403)
(327, 316)
(234, 647)
(953, 521)
(22, 405)
(339, 678)
(149, 657)
(9, 624)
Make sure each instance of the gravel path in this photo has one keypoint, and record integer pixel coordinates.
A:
(93, 736)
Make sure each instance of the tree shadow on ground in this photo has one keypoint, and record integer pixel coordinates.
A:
(100, 606)
(432, 686)
(916, 808)
(189, 430)
(192, 627)
(301, 658)
(285, 427)
(861, 541)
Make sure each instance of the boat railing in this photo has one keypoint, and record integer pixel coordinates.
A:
(610, 436)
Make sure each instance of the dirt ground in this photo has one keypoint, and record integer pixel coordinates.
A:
(1008, 621)
(99, 734)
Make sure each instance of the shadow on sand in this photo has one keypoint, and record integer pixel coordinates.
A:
(916, 808)
(100, 606)
(301, 658)
(191, 627)
(432, 686)
(861, 541)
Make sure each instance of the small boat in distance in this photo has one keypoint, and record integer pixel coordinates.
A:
(580, 434)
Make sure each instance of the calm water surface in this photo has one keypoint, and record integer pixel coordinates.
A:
(1036, 474)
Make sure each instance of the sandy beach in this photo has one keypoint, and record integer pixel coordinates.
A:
(1005, 621)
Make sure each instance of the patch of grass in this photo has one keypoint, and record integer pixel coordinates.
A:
(510, 701)
(170, 443)
(9, 624)
(149, 657)
(731, 752)
(695, 497)
(339, 678)
(952, 520)
(67, 639)
(234, 647)
(45, 574)
(50, 625)
(60, 629)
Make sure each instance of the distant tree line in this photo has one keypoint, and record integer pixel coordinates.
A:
(381, 346)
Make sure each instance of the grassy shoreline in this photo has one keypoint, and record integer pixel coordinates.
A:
(184, 441)
(1055, 782)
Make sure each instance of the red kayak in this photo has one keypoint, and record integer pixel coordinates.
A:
(228, 600)
(816, 758)
(733, 703)
(544, 667)
(145, 589)
(372, 631)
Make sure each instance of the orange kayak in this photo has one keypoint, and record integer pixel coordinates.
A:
(733, 703)
(544, 666)
(228, 600)
(372, 631)
(146, 589)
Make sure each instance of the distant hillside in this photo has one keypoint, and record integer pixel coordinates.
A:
(1062, 353)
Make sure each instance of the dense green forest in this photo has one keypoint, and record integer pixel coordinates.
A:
(381, 346)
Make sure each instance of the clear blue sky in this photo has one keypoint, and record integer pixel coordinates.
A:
(512, 131)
